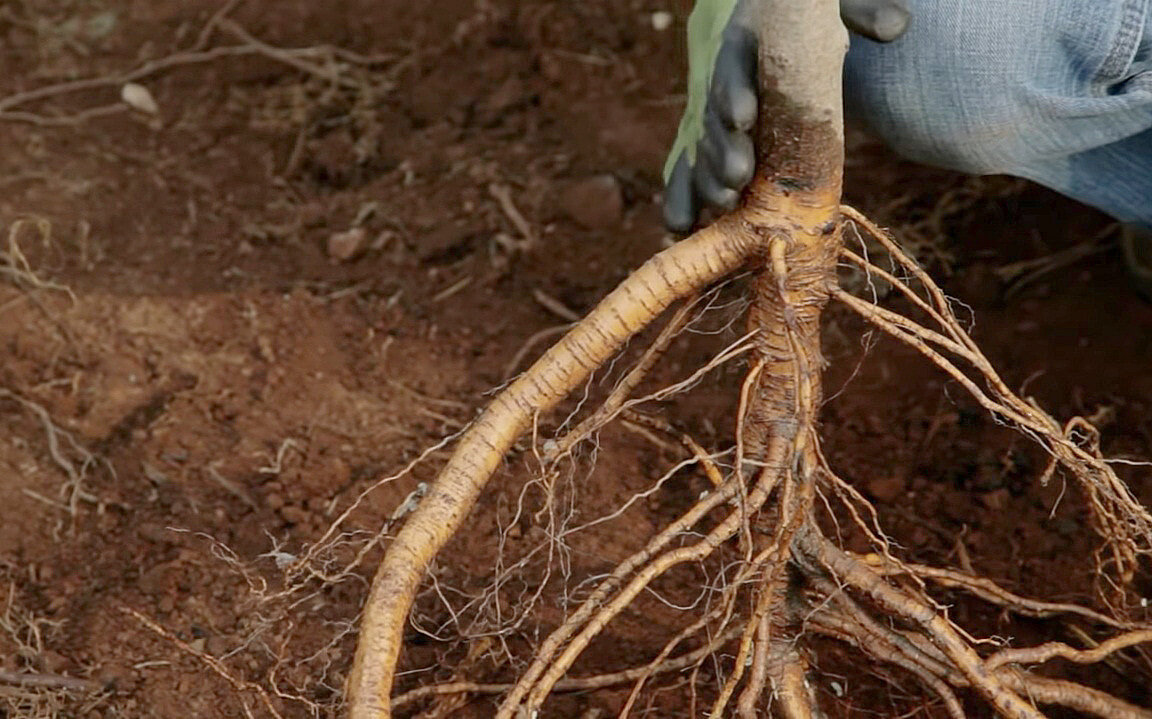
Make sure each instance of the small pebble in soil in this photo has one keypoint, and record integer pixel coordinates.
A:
(996, 500)
(293, 514)
(347, 245)
(217, 645)
(118, 676)
(594, 203)
(157, 534)
(887, 489)
(139, 98)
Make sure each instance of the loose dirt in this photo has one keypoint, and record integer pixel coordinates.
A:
(221, 323)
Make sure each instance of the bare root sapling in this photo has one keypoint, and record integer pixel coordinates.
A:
(791, 583)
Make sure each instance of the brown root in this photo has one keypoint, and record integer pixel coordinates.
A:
(796, 583)
(785, 582)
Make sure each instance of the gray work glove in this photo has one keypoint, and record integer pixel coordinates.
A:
(713, 158)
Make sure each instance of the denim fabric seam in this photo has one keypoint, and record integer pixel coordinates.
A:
(1127, 41)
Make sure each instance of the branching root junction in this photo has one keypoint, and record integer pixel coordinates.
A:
(790, 582)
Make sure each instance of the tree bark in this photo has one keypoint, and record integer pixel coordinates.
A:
(793, 205)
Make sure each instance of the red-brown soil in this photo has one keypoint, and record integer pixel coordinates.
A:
(196, 377)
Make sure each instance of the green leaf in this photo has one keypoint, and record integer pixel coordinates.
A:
(705, 35)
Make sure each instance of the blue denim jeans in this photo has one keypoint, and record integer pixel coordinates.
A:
(1056, 91)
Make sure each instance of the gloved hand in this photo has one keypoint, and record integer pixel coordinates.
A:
(713, 158)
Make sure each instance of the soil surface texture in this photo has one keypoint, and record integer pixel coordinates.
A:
(242, 286)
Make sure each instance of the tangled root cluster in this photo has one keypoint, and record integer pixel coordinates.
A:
(779, 580)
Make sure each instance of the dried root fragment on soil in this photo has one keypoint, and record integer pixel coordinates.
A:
(329, 64)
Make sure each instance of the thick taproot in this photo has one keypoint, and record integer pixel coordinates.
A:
(681, 269)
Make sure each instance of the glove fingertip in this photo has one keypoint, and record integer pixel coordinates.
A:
(734, 81)
(879, 20)
(739, 163)
(742, 109)
(710, 189)
(679, 210)
(890, 23)
(677, 218)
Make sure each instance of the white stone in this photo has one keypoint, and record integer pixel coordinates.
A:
(661, 20)
(138, 98)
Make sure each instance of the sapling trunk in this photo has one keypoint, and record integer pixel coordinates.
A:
(794, 205)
